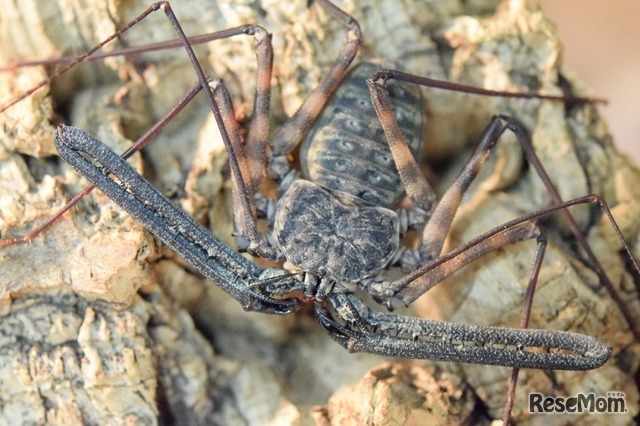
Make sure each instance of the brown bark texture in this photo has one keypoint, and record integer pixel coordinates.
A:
(101, 325)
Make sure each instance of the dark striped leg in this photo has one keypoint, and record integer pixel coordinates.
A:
(245, 220)
(232, 272)
(298, 125)
(360, 329)
(414, 182)
(288, 137)
(411, 287)
(438, 226)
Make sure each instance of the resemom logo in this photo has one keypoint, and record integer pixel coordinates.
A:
(612, 402)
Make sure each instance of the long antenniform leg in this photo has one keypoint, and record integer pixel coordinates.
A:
(524, 322)
(415, 284)
(242, 165)
(437, 228)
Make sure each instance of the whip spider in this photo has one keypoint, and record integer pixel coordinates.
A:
(355, 228)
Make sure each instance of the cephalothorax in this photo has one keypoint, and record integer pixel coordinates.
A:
(321, 235)
(340, 222)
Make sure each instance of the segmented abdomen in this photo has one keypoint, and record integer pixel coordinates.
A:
(347, 151)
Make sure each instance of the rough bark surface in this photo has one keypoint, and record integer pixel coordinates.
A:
(101, 325)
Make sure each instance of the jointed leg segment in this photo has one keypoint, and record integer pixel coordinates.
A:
(297, 126)
(438, 226)
(409, 337)
(232, 272)
(344, 316)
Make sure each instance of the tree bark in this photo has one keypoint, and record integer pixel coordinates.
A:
(102, 325)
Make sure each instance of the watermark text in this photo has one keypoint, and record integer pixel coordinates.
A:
(612, 402)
